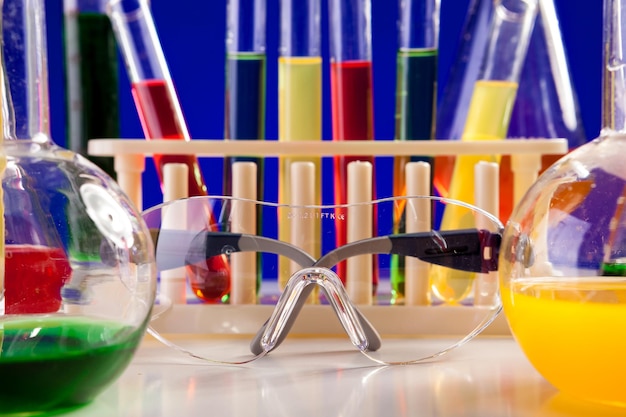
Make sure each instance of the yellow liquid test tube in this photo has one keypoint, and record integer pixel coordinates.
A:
(300, 119)
(488, 118)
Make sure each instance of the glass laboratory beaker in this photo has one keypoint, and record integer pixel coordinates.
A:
(546, 105)
(79, 276)
(569, 230)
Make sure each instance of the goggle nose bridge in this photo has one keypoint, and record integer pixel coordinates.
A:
(297, 290)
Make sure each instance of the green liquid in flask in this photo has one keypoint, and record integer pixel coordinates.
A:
(51, 363)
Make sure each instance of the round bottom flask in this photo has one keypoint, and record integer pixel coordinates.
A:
(78, 276)
(563, 271)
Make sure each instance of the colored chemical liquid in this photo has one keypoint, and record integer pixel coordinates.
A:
(3, 164)
(352, 106)
(56, 363)
(209, 280)
(245, 108)
(415, 94)
(416, 89)
(488, 119)
(300, 119)
(33, 278)
(245, 96)
(92, 80)
(352, 119)
(159, 119)
(245, 117)
(569, 328)
(614, 269)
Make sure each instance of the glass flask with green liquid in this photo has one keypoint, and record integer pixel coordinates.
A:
(73, 308)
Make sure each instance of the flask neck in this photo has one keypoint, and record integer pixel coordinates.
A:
(614, 66)
(25, 101)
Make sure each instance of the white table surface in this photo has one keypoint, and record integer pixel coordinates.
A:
(489, 376)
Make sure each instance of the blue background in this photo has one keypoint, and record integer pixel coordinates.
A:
(192, 37)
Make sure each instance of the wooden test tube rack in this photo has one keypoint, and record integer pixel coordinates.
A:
(130, 154)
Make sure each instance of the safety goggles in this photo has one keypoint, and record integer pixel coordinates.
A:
(408, 278)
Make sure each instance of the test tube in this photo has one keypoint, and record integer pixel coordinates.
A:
(92, 99)
(614, 119)
(351, 94)
(3, 163)
(614, 66)
(299, 105)
(152, 87)
(158, 106)
(245, 81)
(488, 118)
(245, 89)
(91, 68)
(416, 96)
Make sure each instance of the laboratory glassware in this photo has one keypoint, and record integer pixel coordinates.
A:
(573, 293)
(487, 118)
(77, 286)
(91, 77)
(351, 81)
(546, 104)
(245, 81)
(160, 112)
(299, 96)
(416, 96)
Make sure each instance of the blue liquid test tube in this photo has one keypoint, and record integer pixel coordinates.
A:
(245, 80)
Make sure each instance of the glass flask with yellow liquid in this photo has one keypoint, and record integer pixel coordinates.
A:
(563, 258)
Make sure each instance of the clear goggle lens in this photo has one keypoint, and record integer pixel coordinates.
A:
(406, 278)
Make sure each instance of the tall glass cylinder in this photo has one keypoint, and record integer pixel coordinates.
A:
(245, 95)
(614, 66)
(161, 114)
(299, 97)
(91, 76)
(152, 86)
(352, 97)
(416, 98)
(245, 80)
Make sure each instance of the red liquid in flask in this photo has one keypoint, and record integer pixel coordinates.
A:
(159, 120)
(353, 119)
(34, 276)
